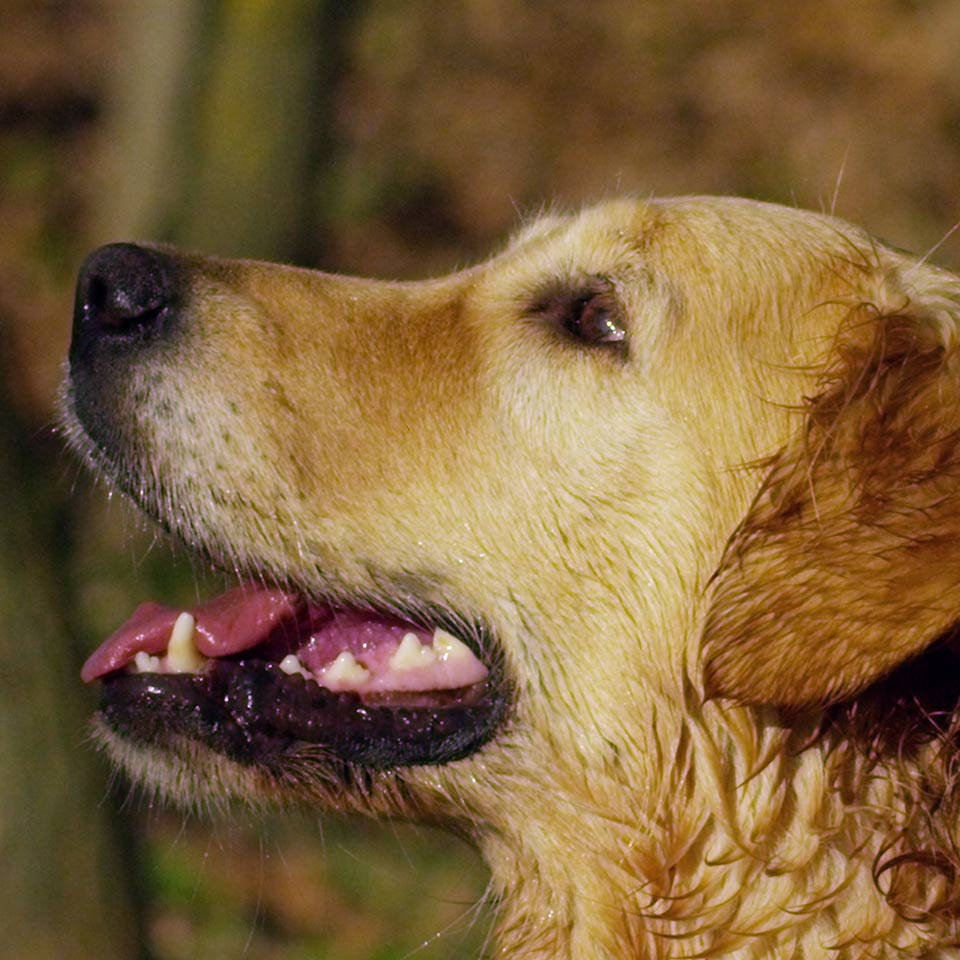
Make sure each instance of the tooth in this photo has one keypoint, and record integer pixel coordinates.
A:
(144, 662)
(449, 648)
(411, 653)
(345, 671)
(182, 653)
(291, 665)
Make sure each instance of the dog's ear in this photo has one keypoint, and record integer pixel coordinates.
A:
(848, 562)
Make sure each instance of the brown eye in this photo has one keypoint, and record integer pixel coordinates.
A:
(586, 310)
(591, 321)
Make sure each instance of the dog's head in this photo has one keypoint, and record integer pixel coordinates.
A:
(649, 443)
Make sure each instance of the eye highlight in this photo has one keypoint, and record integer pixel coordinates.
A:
(586, 310)
(591, 320)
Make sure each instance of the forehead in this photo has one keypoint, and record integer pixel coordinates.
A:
(716, 229)
(610, 229)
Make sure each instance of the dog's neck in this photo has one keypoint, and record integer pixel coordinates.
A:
(760, 832)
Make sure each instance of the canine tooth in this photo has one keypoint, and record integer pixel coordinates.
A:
(449, 648)
(346, 671)
(144, 662)
(182, 653)
(291, 665)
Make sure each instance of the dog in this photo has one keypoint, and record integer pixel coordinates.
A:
(631, 554)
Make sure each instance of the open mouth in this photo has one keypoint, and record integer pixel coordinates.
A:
(257, 671)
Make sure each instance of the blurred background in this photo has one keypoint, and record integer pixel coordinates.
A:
(379, 137)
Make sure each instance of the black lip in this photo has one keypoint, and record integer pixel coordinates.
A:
(251, 712)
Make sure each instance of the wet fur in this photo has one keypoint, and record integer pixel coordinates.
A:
(722, 567)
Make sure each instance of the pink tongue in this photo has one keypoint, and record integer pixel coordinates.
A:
(233, 622)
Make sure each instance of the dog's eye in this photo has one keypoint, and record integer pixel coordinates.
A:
(591, 321)
(587, 311)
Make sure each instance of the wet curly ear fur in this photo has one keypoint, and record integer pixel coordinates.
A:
(848, 562)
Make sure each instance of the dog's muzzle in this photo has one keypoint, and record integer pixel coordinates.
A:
(351, 683)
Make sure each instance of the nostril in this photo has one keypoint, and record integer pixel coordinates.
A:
(123, 288)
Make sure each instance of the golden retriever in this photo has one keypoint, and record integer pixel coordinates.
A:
(631, 554)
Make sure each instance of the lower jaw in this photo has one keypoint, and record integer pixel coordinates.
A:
(252, 713)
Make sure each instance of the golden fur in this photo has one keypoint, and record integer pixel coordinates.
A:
(721, 564)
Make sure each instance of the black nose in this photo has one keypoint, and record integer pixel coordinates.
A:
(124, 293)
